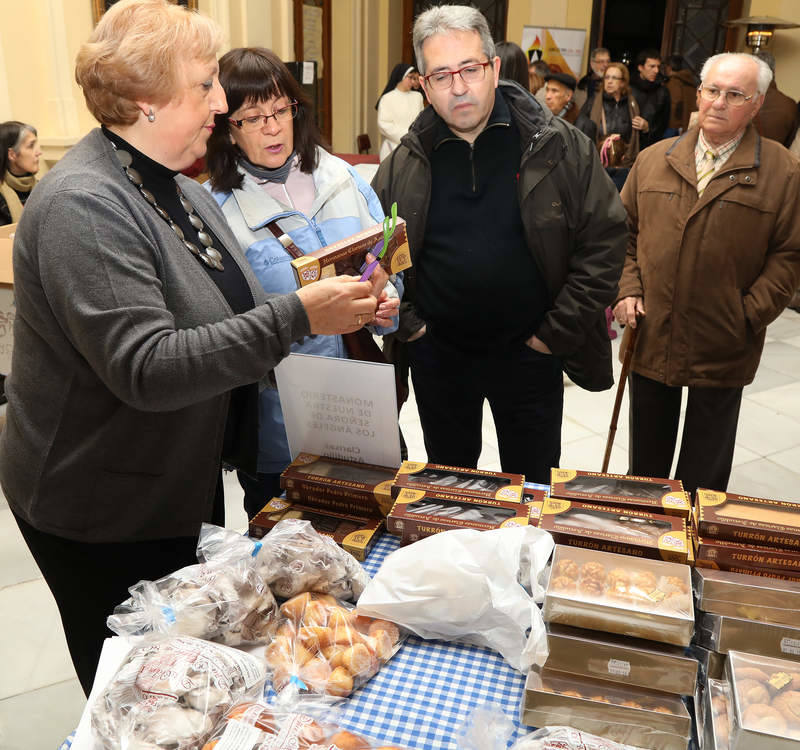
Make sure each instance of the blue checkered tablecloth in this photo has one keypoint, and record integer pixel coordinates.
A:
(420, 697)
(427, 689)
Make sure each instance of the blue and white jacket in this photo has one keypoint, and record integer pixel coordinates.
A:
(343, 205)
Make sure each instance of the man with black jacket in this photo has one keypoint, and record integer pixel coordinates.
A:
(651, 95)
(518, 239)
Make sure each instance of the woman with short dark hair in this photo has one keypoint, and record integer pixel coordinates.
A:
(272, 178)
(19, 163)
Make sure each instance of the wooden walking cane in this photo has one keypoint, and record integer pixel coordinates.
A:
(623, 376)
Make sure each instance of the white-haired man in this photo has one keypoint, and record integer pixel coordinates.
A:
(713, 258)
(518, 241)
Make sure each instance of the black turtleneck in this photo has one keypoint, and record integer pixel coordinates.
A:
(240, 446)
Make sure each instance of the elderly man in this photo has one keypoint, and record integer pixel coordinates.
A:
(559, 95)
(713, 259)
(518, 241)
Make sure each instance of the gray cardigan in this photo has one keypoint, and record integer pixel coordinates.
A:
(125, 352)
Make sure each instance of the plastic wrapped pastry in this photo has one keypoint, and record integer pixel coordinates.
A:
(323, 647)
(293, 558)
(170, 692)
(226, 601)
(253, 726)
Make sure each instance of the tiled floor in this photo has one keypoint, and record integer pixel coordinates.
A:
(40, 699)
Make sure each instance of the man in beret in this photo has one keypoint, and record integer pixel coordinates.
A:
(559, 96)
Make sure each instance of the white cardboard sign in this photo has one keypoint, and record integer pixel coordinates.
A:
(341, 408)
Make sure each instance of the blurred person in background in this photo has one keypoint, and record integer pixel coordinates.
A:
(777, 118)
(615, 112)
(647, 85)
(682, 86)
(513, 63)
(19, 164)
(398, 106)
(559, 91)
(592, 82)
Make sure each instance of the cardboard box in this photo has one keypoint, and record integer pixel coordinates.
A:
(347, 256)
(740, 518)
(746, 558)
(611, 528)
(354, 534)
(616, 658)
(636, 717)
(724, 634)
(764, 702)
(637, 493)
(333, 484)
(452, 480)
(641, 598)
(747, 596)
(417, 514)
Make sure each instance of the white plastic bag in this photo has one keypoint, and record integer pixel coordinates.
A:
(464, 585)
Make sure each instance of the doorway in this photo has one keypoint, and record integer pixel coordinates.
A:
(630, 26)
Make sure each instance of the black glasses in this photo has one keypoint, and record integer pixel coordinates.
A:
(443, 79)
(256, 122)
(732, 98)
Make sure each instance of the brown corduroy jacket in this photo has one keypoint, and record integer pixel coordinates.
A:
(713, 271)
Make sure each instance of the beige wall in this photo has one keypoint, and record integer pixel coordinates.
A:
(785, 44)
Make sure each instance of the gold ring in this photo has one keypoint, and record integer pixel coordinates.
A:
(359, 320)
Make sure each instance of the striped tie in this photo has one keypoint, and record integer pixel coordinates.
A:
(705, 171)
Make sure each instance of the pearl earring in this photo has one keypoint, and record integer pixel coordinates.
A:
(151, 116)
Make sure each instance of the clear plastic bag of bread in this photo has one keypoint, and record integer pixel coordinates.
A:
(255, 726)
(224, 600)
(294, 558)
(170, 692)
(321, 646)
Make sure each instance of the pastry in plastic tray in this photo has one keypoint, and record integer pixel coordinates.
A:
(611, 528)
(642, 493)
(717, 722)
(339, 485)
(765, 697)
(617, 658)
(748, 596)
(323, 647)
(741, 518)
(722, 634)
(634, 716)
(170, 692)
(254, 726)
(480, 483)
(648, 599)
(225, 601)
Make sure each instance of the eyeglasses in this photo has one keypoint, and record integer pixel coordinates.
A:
(733, 98)
(256, 122)
(612, 78)
(443, 79)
